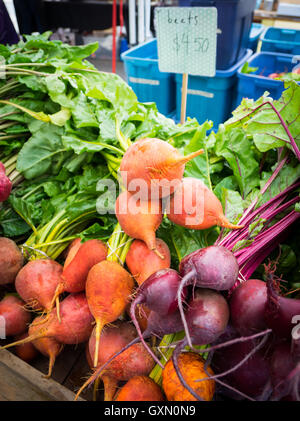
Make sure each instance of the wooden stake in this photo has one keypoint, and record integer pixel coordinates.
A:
(183, 97)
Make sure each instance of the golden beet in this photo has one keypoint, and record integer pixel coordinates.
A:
(140, 388)
(192, 368)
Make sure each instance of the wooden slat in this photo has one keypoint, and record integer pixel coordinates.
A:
(21, 382)
(63, 364)
(79, 373)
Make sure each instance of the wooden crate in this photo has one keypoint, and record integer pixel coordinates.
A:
(20, 381)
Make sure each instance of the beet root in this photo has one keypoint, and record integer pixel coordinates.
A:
(155, 162)
(16, 317)
(192, 369)
(75, 325)
(195, 206)
(5, 185)
(247, 307)
(143, 262)
(250, 377)
(49, 347)
(11, 261)
(114, 365)
(214, 267)
(280, 311)
(140, 388)
(108, 290)
(26, 352)
(139, 219)
(37, 281)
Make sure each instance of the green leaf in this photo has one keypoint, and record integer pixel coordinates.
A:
(228, 183)
(237, 149)
(57, 91)
(262, 122)
(99, 231)
(199, 167)
(52, 188)
(36, 83)
(182, 241)
(4, 51)
(61, 117)
(82, 112)
(113, 89)
(43, 152)
(80, 145)
(12, 225)
(39, 116)
(286, 177)
(248, 69)
(27, 211)
(232, 203)
(87, 181)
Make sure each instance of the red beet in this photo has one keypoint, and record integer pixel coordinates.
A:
(280, 311)
(11, 261)
(159, 292)
(16, 317)
(247, 307)
(252, 377)
(213, 267)
(75, 325)
(5, 184)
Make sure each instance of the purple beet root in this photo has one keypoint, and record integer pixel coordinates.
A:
(5, 184)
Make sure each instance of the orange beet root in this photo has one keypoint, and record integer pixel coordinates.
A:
(142, 312)
(49, 347)
(72, 250)
(27, 352)
(11, 260)
(133, 361)
(139, 219)
(192, 368)
(195, 206)
(37, 281)
(157, 163)
(80, 259)
(108, 290)
(143, 262)
(16, 317)
(74, 327)
(140, 388)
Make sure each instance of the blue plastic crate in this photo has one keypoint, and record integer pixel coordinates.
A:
(257, 30)
(281, 40)
(253, 85)
(210, 98)
(234, 20)
(144, 77)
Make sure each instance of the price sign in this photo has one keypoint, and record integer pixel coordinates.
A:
(187, 39)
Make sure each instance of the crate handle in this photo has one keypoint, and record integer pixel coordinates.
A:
(284, 60)
(143, 63)
(288, 31)
(285, 47)
(262, 83)
(143, 81)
